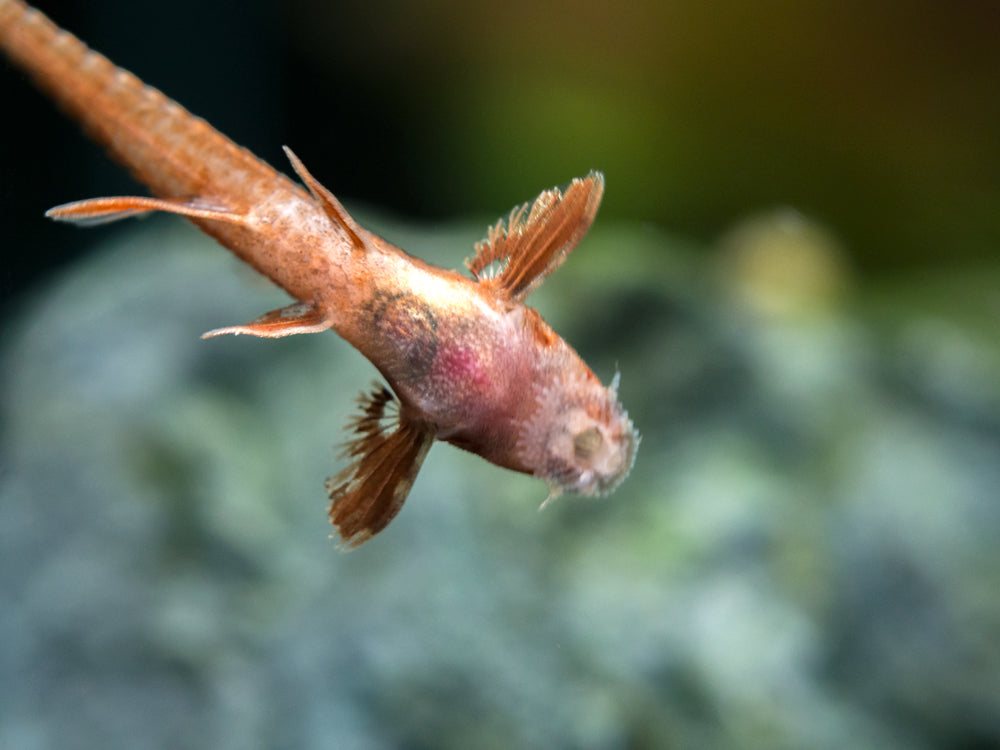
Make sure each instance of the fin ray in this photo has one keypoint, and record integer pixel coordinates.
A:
(298, 318)
(93, 211)
(536, 237)
(386, 456)
(331, 206)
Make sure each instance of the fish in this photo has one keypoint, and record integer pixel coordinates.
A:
(464, 359)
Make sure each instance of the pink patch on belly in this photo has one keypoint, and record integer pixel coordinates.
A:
(462, 368)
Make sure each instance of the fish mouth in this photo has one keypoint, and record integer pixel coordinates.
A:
(608, 467)
(628, 444)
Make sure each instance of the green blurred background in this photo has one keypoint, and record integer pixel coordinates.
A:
(795, 269)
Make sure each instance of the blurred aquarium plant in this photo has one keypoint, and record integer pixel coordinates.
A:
(804, 556)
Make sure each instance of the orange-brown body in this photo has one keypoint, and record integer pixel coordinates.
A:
(468, 361)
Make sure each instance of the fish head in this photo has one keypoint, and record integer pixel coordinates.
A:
(579, 439)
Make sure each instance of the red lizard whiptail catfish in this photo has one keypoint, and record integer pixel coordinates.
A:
(466, 361)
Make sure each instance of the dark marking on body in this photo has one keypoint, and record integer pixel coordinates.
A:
(409, 329)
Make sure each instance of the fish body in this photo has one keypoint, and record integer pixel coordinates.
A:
(466, 361)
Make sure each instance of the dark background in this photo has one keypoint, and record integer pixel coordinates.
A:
(880, 121)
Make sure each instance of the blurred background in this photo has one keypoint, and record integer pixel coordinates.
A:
(795, 269)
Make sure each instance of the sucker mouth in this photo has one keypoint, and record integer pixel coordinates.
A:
(629, 443)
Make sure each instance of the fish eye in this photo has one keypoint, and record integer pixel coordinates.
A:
(586, 443)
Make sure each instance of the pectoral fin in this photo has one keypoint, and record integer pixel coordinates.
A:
(102, 210)
(286, 321)
(386, 454)
(518, 254)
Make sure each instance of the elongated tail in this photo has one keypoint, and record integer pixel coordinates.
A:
(195, 171)
(164, 146)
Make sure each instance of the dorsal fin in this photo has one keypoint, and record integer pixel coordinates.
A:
(537, 237)
(332, 207)
(386, 455)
